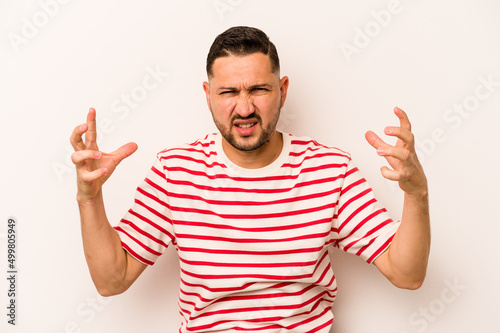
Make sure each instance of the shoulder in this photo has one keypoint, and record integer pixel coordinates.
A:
(307, 147)
(197, 149)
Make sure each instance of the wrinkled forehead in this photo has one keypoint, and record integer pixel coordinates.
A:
(235, 69)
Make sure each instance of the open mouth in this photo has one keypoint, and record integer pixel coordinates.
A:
(245, 126)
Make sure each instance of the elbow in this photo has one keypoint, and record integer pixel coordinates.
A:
(106, 292)
(412, 285)
(109, 290)
(409, 283)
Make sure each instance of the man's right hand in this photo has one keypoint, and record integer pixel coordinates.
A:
(112, 269)
(94, 167)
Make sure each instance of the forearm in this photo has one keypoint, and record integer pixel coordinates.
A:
(405, 261)
(409, 252)
(106, 259)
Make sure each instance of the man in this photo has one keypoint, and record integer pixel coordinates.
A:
(252, 211)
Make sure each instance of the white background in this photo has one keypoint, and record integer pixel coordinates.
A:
(428, 57)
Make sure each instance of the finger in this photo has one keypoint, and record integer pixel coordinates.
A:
(124, 151)
(76, 137)
(390, 174)
(390, 151)
(88, 177)
(91, 134)
(374, 140)
(81, 156)
(399, 132)
(404, 121)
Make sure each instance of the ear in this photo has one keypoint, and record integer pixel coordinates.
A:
(206, 88)
(283, 89)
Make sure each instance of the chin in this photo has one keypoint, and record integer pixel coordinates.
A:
(247, 146)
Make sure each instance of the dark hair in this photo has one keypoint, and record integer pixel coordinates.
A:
(242, 41)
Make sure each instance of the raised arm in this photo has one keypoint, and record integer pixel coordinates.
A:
(112, 269)
(404, 263)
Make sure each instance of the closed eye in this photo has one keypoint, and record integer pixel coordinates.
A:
(226, 92)
(260, 89)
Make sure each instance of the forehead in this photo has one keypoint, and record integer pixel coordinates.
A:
(233, 69)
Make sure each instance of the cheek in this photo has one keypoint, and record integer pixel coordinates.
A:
(267, 105)
(222, 111)
(223, 105)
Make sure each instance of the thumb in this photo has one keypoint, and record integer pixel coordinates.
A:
(124, 151)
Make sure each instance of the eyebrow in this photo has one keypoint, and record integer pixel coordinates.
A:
(260, 85)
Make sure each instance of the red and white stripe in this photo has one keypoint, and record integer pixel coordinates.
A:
(252, 244)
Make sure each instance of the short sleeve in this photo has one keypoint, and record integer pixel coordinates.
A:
(146, 229)
(362, 226)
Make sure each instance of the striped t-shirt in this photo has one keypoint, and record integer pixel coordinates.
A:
(253, 243)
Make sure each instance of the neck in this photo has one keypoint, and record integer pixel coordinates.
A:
(258, 158)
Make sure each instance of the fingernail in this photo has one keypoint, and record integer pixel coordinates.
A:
(380, 151)
(82, 127)
(387, 130)
(98, 154)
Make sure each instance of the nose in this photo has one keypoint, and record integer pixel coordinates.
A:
(244, 106)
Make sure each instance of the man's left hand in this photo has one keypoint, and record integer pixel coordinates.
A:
(406, 168)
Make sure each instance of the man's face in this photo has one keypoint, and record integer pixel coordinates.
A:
(245, 98)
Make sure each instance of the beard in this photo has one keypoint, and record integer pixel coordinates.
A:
(247, 143)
